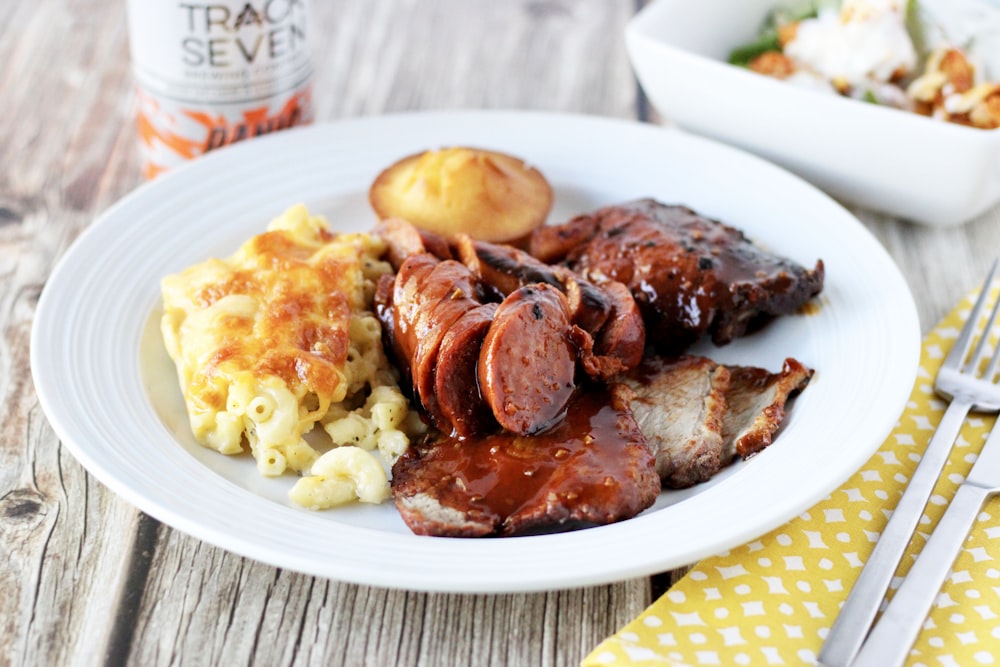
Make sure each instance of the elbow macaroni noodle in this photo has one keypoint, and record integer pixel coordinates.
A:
(280, 337)
(342, 475)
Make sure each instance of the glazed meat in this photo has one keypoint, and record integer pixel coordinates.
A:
(611, 334)
(593, 468)
(548, 417)
(691, 276)
(527, 365)
(474, 365)
(606, 313)
(506, 268)
(677, 420)
(427, 298)
(481, 329)
(456, 379)
(698, 415)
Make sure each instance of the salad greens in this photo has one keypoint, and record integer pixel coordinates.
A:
(767, 37)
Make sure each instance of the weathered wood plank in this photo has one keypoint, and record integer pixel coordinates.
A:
(236, 612)
(940, 265)
(65, 539)
(378, 57)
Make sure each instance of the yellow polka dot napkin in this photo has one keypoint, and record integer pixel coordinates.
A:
(772, 601)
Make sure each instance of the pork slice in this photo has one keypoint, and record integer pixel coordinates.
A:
(756, 405)
(527, 365)
(698, 415)
(456, 381)
(593, 468)
(611, 478)
(431, 489)
(679, 405)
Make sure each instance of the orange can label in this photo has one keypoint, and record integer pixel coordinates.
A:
(211, 74)
(172, 132)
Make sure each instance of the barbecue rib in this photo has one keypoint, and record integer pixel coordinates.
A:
(691, 276)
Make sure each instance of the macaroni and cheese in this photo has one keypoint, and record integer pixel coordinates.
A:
(280, 337)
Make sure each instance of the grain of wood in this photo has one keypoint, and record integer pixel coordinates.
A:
(238, 612)
(940, 265)
(64, 537)
(553, 55)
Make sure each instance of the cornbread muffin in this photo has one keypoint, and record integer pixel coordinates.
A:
(488, 195)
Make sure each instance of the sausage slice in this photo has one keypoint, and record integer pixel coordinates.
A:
(528, 361)
(456, 381)
(447, 293)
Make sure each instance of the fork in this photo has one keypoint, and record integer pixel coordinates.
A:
(958, 380)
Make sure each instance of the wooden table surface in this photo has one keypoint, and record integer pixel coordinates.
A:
(91, 580)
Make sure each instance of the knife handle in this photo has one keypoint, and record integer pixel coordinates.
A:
(890, 640)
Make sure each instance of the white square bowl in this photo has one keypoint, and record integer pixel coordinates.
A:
(889, 160)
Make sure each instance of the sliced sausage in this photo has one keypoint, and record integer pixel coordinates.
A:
(496, 269)
(407, 304)
(505, 269)
(623, 336)
(527, 363)
(456, 381)
(447, 292)
(386, 315)
(589, 306)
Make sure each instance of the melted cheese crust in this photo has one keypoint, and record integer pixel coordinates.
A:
(279, 337)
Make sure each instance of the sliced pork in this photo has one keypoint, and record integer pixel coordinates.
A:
(756, 405)
(680, 406)
(593, 468)
(698, 415)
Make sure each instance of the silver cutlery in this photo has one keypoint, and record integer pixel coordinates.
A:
(960, 381)
(890, 640)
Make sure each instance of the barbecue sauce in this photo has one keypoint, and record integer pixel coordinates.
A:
(593, 468)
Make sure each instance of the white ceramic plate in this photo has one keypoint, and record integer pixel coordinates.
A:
(106, 384)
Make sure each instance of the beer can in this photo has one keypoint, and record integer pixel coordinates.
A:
(209, 74)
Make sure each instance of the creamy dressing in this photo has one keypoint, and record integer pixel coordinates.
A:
(862, 44)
